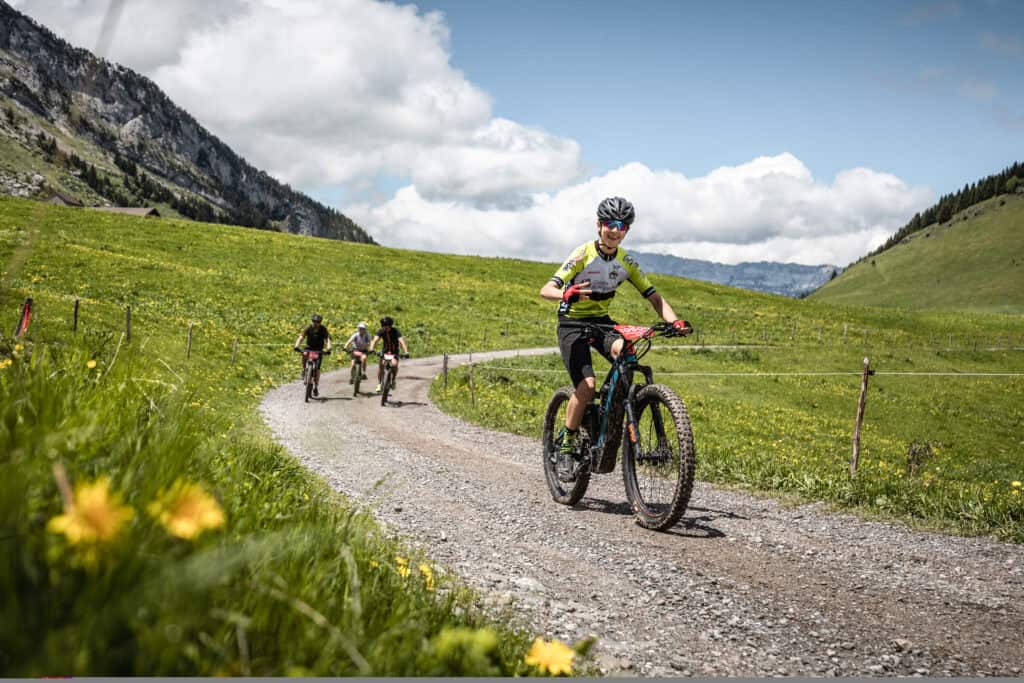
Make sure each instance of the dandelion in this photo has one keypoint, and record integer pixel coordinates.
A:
(91, 363)
(402, 565)
(553, 657)
(6, 363)
(428, 576)
(92, 517)
(1015, 484)
(18, 348)
(186, 510)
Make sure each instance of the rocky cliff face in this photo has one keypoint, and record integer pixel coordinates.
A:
(789, 279)
(127, 115)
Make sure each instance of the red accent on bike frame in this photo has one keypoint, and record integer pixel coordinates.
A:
(312, 355)
(632, 332)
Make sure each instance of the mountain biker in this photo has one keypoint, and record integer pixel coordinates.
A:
(392, 339)
(317, 339)
(359, 343)
(585, 286)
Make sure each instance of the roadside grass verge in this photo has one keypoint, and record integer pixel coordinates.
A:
(943, 451)
(194, 550)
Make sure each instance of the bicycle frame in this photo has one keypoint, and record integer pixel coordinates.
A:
(623, 367)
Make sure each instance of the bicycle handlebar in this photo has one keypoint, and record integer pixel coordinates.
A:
(660, 328)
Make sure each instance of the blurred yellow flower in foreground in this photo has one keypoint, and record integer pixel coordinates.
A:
(554, 657)
(428, 576)
(5, 363)
(93, 516)
(1015, 484)
(186, 510)
(402, 565)
(91, 363)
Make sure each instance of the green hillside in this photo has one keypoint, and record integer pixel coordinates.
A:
(973, 262)
(141, 415)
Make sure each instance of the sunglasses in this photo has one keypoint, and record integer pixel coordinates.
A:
(621, 226)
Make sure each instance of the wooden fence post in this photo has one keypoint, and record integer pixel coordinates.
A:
(234, 349)
(188, 342)
(74, 320)
(855, 457)
(444, 369)
(472, 389)
(128, 324)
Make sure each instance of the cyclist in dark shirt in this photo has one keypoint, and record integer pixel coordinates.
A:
(392, 340)
(317, 339)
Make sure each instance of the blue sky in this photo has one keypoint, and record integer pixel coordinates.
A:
(790, 131)
(694, 86)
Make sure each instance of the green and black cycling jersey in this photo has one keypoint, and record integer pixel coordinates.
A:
(605, 272)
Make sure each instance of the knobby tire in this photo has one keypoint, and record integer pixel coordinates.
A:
(307, 378)
(357, 377)
(658, 468)
(567, 493)
(385, 388)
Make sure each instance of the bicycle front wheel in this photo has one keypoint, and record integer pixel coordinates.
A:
(659, 458)
(307, 379)
(567, 477)
(385, 388)
(357, 376)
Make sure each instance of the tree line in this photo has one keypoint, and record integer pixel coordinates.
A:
(1005, 182)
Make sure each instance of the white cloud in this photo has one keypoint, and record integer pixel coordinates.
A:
(769, 209)
(321, 92)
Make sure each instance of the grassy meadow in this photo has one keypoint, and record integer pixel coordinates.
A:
(149, 524)
(137, 483)
(973, 262)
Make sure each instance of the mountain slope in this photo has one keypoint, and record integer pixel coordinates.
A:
(973, 262)
(789, 279)
(101, 133)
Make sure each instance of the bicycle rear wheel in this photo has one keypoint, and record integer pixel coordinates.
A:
(658, 460)
(558, 467)
(385, 387)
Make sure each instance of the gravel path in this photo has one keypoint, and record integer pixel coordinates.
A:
(743, 586)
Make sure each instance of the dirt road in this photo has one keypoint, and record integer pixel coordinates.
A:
(743, 586)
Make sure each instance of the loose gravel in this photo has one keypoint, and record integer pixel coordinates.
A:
(743, 586)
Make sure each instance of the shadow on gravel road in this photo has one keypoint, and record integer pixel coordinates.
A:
(691, 526)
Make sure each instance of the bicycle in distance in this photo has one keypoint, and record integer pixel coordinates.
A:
(356, 375)
(311, 360)
(387, 383)
(658, 455)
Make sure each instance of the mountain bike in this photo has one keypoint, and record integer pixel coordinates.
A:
(658, 457)
(311, 360)
(356, 372)
(388, 382)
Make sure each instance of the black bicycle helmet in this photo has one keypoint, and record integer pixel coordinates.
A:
(386, 320)
(616, 209)
(317, 317)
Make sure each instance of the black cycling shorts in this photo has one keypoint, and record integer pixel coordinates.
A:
(575, 337)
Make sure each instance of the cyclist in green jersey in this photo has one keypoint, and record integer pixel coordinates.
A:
(585, 286)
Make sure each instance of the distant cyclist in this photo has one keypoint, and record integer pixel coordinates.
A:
(359, 344)
(585, 286)
(317, 339)
(392, 340)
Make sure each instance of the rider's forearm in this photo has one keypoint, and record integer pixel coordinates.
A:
(662, 308)
(551, 292)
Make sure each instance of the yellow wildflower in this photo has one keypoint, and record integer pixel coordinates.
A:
(1015, 484)
(5, 363)
(553, 657)
(186, 510)
(402, 565)
(428, 576)
(18, 348)
(94, 516)
(91, 363)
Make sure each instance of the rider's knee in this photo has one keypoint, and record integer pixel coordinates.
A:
(617, 347)
(585, 389)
